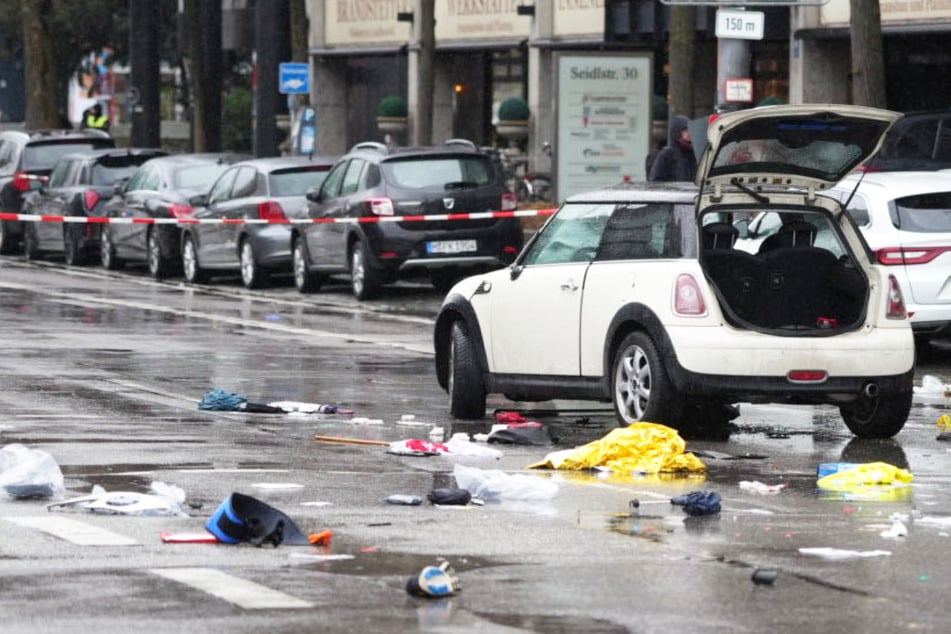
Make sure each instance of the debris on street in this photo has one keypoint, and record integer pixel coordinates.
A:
(27, 473)
(405, 500)
(494, 485)
(450, 497)
(434, 582)
(637, 448)
(866, 480)
(416, 447)
(698, 502)
(242, 518)
(840, 554)
(224, 401)
(352, 441)
(932, 386)
(165, 500)
(762, 488)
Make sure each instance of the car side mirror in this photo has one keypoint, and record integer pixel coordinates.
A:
(313, 195)
(198, 200)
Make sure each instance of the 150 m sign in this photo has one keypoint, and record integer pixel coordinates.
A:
(740, 25)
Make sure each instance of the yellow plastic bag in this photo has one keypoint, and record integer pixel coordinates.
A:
(640, 447)
(866, 478)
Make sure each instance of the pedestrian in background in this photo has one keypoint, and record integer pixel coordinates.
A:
(676, 162)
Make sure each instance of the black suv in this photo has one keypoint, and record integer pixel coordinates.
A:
(373, 183)
(918, 141)
(26, 160)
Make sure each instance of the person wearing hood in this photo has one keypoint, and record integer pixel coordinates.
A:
(676, 162)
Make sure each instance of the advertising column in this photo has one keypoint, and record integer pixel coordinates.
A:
(604, 120)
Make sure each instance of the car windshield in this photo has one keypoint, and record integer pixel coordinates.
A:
(923, 213)
(198, 175)
(427, 172)
(42, 156)
(295, 182)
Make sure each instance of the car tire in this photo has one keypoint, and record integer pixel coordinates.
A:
(159, 265)
(465, 384)
(73, 253)
(304, 280)
(879, 417)
(8, 243)
(194, 274)
(641, 390)
(107, 251)
(31, 247)
(252, 275)
(364, 280)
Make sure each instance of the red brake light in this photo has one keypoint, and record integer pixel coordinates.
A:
(179, 210)
(380, 206)
(807, 376)
(90, 199)
(688, 300)
(509, 202)
(891, 256)
(23, 181)
(896, 302)
(271, 211)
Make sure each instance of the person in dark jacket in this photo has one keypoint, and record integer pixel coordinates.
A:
(676, 162)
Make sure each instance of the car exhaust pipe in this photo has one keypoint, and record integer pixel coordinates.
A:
(870, 390)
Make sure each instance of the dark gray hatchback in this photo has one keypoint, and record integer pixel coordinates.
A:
(359, 230)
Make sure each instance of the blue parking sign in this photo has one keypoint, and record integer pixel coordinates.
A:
(294, 78)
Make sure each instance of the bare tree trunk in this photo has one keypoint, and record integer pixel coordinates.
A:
(682, 44)
(423, 126)
(868, 59)
(42, 89)
(300, 27)
(196, 76)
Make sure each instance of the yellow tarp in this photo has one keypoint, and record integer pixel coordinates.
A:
(866, 478)
(640, 447)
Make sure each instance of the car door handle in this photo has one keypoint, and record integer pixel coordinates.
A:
(569, 286)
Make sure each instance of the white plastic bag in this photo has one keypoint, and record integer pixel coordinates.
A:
(495, 485)
(460, 445)
(29, 473)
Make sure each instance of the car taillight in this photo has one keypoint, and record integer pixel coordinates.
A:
(688, 300)
(90, 199)
(271, 211)
(807, 376)
(179, 210)
(891, 256)
(509, 202)
(24, 181)
(896, 302)
(380, 206)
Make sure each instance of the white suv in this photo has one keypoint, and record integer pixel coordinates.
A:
(638, 294)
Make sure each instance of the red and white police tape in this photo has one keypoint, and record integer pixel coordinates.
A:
(274, 221)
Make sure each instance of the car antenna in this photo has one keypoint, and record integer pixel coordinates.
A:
(758, 197)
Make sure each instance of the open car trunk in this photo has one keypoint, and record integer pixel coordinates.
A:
(787, 272)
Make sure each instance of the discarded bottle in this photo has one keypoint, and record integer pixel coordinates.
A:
(406, 500)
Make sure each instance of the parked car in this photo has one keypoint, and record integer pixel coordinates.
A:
(373, 182)
(163, 188)
(905, 217)
(267, 189)
(917, 141)
(26, 160)
(79, 185)
(636, 294)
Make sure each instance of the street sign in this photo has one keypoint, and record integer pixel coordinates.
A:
(294, 78)
(740, 25)
(738, 90)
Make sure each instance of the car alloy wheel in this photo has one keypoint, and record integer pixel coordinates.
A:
(251, 274)
(158, 263)
(72, 253)
(364, 280)
(642, 391)
(107, 250)
(465, 385)
(192, 269)
(304, 280)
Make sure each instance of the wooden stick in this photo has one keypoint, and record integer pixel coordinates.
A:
(352, 441)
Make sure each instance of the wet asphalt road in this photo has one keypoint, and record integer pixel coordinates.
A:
(104, 372)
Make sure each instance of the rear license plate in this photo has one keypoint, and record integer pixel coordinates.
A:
(451, 246)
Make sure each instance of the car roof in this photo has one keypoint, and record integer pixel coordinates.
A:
(27, 136)
(640, 192)
(272, 163)
(202, 158)
(452, 147)
(899, 184)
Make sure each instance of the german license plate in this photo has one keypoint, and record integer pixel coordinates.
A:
(451, 246)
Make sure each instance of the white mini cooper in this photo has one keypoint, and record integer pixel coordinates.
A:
(642, 294)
